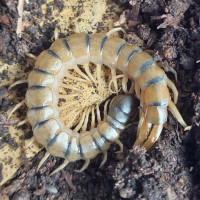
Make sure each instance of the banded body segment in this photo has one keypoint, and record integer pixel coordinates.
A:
(97, 41)
(61, 144)
(125, 55)
(38, 77)
(38, 96)
(36, 115)
(49, 61)
(62, 49)
(111, 51)
(47, 130)
(79, 44)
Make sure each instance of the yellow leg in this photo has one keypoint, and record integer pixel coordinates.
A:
(56, 34)
(65, 163)
(109, 33)
(171, 85)
(17, 83)
(105, 154)
(153, 137)
(15, 108)
(177, 115)
(43, 160)
(120, 145)
(87, 162)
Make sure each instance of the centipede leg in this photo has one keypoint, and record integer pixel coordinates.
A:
(171, 85)
(93, 118)
(30, 55)
(81, 74)
(17, 83)
(105, 155)
(87, 70)
(177, 115)
(56, 34)
(153, 137)
(87, 162)
(137, 90)
(65, 163)
(120, 145)
(43, 160)
(22, 122)
(114, 30)
(99, 74)
(15, 108)
(113, 73)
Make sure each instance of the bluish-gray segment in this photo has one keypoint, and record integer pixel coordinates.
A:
(96, 144)
(132, 53)
(102, 44)
(161, 103)
(87, 38)
(146, 66)
(120, 48)
(41, 71)
(51, 142)
(80, 150)
(154, 81)
(39, 124)
(67, 45)
(37, 87)
(68, 150)
(51, 52)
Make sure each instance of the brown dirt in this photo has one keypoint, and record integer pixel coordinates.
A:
(171, 169)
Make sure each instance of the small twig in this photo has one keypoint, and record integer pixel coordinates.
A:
(20, 9)
(68, 179)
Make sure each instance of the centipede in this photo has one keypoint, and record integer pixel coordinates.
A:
(151, 87)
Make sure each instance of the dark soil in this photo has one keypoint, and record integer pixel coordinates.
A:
(171, 169)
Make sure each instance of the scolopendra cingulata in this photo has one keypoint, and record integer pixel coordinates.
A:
(151, 88)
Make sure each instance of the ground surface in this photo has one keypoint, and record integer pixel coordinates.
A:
(170, 170)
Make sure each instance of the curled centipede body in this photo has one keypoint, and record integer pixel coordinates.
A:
(151, 88)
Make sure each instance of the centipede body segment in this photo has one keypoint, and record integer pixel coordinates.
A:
(151, 88)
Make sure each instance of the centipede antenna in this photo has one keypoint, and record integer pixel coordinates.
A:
(93, 118)
(177, 115)
(99, 74)
(121, 146)
(113, 73)
(17, 83)
(65, 163)
(30, 55)
(87, 70)
(47, 154)
(15, 108)
(105, 155)
(171, 85)
(22, 122)
(70, 87)
(81, 121)
(78, 71)
(98, 113)
(85, 166)
(114, 30)
(56, 33)
(105, 108)
(84, 127)
(75, 78)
